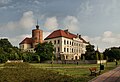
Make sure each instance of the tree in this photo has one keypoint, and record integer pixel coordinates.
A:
(112, 53)
(45, 51)
(2, 58)
(5, 43)
(90, 52)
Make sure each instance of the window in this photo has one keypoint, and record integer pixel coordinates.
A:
(58, 41)
(58, 49)
(64, 49)
(75, 57)
(54, 41)
(67, 49)
(66, 57)
(50, 42)
(55, 49)
(72, 49)
(65, 42)
(74, 44)
(23, 46)
(70, 42)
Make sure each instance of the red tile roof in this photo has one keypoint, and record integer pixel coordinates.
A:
(27, 41)
(63, 33)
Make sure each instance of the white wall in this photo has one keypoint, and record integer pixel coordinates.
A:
(25, 46)
(72, 51)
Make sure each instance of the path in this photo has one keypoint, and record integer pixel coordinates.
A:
(111, 76)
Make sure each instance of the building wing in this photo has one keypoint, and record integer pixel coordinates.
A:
(27, 41)
(64, 33)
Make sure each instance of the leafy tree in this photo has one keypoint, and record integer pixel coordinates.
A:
(97, 56)
(45, 51)
(90, 52)
(2, 58)
(112, 53)
(35, 58)
(5, 43)
(7, 51)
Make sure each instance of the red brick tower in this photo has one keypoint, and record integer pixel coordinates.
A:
(37, 36)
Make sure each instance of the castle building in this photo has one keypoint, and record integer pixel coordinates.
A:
(67, 46)
(28, 44)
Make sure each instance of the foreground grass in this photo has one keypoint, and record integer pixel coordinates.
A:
(23, 72)
(80, 72)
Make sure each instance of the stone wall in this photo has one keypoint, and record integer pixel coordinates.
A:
(77, 62)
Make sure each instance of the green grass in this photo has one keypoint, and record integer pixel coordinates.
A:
(80, 71)
(25, 72)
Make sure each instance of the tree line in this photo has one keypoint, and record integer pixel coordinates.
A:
(9, 52)
(44, 51)
(109, 54)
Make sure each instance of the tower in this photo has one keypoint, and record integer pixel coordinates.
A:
(37, 35)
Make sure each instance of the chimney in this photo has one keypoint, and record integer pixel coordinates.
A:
(79, 36)
(66, 31)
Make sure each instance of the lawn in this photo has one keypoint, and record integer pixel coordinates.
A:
(25, 72)
(80, 71)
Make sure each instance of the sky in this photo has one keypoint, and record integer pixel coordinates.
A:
(98, 21)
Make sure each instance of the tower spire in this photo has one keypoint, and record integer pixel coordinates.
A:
(37, 21)
(97, 48)
(37, 26)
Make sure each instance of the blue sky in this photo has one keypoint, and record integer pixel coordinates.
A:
(98, 21)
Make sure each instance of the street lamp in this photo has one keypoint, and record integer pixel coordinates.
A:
(99, 54)
(101, 66)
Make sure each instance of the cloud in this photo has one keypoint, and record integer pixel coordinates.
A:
(112, 38)
(26, 21)
(86, 8)
(17, 39)
(51, 23)
(111, 9)
(107, 34)
(106, 40)
(71, 23)
(4, 1)
(36, 2)
(16, 30)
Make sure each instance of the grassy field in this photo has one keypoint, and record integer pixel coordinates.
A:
(25, 72)
(80, 71)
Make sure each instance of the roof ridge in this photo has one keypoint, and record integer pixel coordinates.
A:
(26, 40)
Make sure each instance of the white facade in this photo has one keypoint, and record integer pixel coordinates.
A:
(68, 49)
(26, 47)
